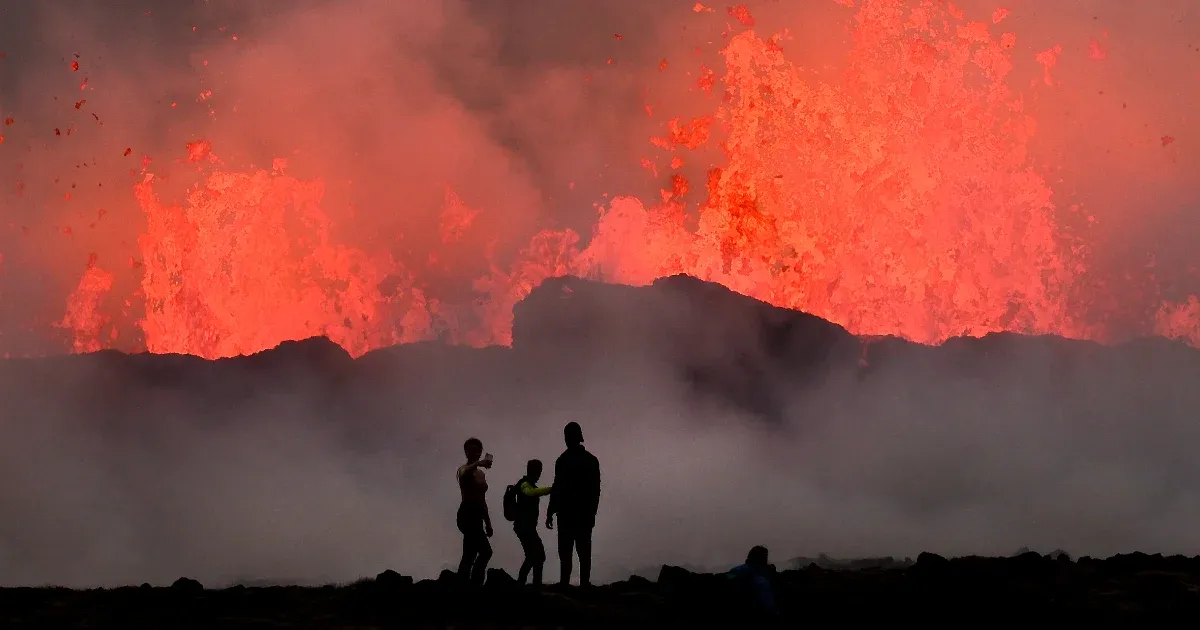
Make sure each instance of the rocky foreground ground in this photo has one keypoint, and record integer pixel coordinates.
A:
(1030, 588)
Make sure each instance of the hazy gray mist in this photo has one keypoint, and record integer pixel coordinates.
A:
(283, 480)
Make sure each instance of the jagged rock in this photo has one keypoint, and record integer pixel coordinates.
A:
(187, 585)
(927, 559)
(392, 580)
(636, 583)
(1031, 558)
(499, 578)
(674, 579)
(824, 561)
(930, 566)
(725, 345)
(1034, 565)
(1127, 590)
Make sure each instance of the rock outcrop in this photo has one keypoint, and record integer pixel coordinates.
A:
(1125, 589)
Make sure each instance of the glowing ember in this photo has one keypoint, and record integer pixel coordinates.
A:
(1049, 58)
(198, 150)
(84, 317)
(741, 14)
(1180, 321)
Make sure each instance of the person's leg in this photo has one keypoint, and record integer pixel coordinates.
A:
(479, 573)
(469, 550)
(468, 557)
(565, 548)
(583, 542)
(539, 556)
(527, 548)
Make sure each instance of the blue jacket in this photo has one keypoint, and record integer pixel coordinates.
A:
(764, 597)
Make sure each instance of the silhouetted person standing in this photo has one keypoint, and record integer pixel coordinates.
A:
(473, 519)
(525, 525)
(575, 499)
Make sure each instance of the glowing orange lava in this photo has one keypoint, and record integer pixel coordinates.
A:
(249, 264)
(84, 317)
(898, 200)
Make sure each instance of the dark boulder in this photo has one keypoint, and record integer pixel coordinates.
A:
(930, 566)
(187, 585)
(390, 579)
(499, 579)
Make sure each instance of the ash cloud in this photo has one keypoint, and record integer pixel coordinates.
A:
(284, 484)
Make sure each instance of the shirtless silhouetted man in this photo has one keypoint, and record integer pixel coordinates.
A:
(473, 519)
(575, 499)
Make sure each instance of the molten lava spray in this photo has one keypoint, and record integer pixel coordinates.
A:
(899, 202)
(898, 199)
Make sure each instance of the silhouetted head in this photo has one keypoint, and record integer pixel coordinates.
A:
(573, 434)
(533, 470)
(757, 556)
(473, 448)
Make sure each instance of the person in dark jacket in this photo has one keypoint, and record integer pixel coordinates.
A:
(575, 499)
(756, 575)
(525, 525)
(473, 519)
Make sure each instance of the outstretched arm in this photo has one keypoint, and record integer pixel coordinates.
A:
(528, 490)
(468, 468)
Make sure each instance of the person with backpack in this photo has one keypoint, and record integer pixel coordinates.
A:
(522, 507)
(575, 500)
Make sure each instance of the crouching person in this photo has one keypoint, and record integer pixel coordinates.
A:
(754, 579)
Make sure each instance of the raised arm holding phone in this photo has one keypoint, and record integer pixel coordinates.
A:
(473, 519)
